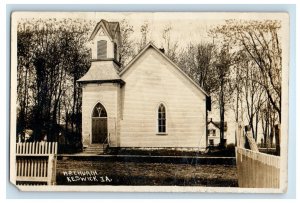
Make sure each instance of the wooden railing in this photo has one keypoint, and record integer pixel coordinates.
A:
(36, 163)
(257, 170)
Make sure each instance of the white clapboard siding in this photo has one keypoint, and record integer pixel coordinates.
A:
(257, 170)
(151, 81)
(36, 163)
(108, 96)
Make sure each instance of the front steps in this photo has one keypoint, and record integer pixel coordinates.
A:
(95, 149)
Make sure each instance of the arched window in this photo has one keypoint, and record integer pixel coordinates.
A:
(99, 111)
(102, 49)
(161, 119)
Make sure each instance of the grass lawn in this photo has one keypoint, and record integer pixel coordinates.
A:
(161, 152)
(103, 172)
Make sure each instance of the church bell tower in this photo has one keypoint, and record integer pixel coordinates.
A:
(101, 88)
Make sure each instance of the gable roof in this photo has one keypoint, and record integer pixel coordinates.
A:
(150, 44)
(218, 124)
(111, 27)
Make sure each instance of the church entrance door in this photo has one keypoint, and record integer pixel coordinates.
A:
(99, 124)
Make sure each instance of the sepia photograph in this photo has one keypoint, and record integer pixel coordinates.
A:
(149, 101)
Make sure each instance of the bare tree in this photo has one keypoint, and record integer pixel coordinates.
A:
(145, 36)
(126, 48)
(254, 96)
(223, 93)
(170, 46)
(261, 43)
(198, 62)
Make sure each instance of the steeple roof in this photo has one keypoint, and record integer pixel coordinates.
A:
(112, 28)
(101, 71)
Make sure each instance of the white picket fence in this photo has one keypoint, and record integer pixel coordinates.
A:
(257, 170)
(36, 163)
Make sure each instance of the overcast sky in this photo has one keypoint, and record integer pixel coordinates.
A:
(186, 27)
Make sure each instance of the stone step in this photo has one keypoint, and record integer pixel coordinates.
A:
(89, 149)
(93, 152)
(97, 146)
(95, 149)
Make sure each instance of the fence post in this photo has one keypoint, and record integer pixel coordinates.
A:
(277, 138)
(246, 141)
(239, 135)
(50, 168)
(251, 144)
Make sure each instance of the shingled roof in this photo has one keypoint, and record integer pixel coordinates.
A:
(101, 71)
(111, 27)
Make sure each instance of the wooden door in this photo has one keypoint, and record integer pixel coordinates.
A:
(99, 130)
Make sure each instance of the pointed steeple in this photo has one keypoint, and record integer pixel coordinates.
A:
(105, 41)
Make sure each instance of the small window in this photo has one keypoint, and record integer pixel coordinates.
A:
(212, 132)
(161, 119)
(211, 142)
(102, 49)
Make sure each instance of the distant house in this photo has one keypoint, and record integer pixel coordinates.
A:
(151, 103)
(213, 132)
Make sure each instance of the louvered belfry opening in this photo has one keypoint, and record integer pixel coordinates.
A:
(102, 49)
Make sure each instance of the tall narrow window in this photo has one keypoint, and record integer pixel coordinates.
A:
(102, 49)
(116, 51)
(161, 119)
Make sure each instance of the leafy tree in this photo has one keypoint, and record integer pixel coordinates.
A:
(52, 55)
(24, 77)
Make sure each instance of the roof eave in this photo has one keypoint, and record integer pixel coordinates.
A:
(101, 81)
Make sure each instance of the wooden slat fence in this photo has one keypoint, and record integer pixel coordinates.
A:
(257, 170)
(36, 163)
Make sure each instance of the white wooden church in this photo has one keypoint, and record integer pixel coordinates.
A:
(151, 103)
